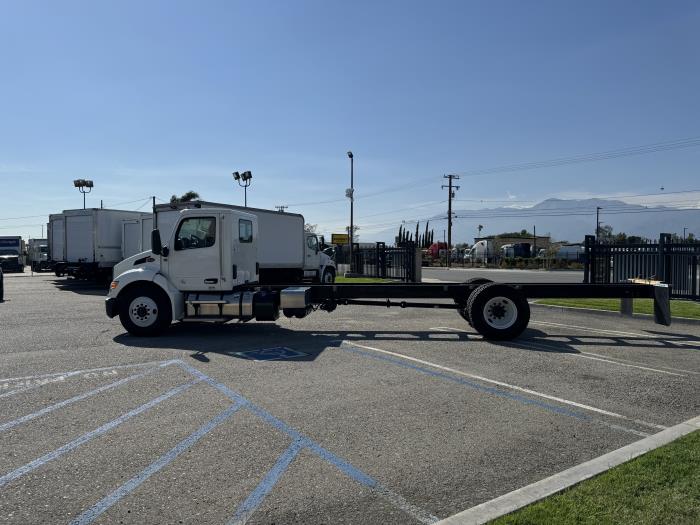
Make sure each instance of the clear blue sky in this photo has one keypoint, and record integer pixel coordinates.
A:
(156, 98)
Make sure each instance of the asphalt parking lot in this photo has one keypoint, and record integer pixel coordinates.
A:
(365, 415)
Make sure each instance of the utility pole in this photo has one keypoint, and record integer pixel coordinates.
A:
(350, 193)
(281, 208)
(450, 196)
(597, 222)
(534, 241)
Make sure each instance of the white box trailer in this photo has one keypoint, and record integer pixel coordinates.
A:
(286, 252)
(87, 243)
(136, 235)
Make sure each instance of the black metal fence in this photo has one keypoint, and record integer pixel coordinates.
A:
(380, 261)
(675, 263)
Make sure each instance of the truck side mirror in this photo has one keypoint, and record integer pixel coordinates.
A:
(156, 246)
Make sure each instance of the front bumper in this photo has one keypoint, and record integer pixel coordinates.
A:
(112, 306)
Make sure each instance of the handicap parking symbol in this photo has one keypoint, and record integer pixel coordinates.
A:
(271, 354)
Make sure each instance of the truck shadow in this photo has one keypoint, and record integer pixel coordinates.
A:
(234, 340)
(69, 284)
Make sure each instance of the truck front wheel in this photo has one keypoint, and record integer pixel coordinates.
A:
(145, 311)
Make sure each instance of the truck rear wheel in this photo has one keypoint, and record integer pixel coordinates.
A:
(498, 311)
(463, 310)
(144, 311)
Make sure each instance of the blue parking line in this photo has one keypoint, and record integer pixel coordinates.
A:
(32, 465)
(79, 397)
(466, 382)
(105, 503)
(253, 501)
(323, 453)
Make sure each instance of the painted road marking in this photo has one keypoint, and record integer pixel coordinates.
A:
(32, 465)
(33, 382)
(271, 354)
(587, 355)
(516, 397)
(78, 372)
(80, 397)
(253, 501)
(693, 344)
(346, 468)
(105, 503)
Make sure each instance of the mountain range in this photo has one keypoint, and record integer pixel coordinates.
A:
(564, 219)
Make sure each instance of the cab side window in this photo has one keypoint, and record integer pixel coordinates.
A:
(245, 230)
(197, 232)
(312, 243)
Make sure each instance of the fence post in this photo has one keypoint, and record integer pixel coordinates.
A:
(587, 263)
(663, 268)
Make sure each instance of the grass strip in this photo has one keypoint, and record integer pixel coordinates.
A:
(641, 306)
(660, 487)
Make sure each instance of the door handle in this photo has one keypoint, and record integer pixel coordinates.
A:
(211, 281)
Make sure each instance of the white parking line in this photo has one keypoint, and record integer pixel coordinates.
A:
(511, 386)
(587, 355)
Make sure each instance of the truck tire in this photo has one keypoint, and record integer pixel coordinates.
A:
(463, 311)
(144, 310)
(498, 311)
(328, 276)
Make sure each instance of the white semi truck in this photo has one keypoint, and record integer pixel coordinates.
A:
(208, 271)
(38, 254)
(12, 253)
(286, 253)
(87, 243)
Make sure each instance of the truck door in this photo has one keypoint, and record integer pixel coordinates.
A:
(194, 261)
(312, 256)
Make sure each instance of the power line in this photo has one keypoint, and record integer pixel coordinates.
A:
(645, 149)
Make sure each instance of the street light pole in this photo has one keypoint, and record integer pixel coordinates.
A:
(685, 228)
(352, 202)
(243, 179)
(597, 222)
(81, 184)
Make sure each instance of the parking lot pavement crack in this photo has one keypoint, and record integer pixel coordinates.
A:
(401, 360)
(32, 465)
(105, 503)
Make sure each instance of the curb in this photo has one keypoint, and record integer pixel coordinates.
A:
(522, 497)
(610, 313)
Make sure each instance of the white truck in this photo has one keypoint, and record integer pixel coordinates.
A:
(87, 243)
(208, 271)
(12, 253)
(38, 254)
(286, 253)
(481, 251)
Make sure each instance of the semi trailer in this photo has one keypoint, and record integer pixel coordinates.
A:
(286, 253)
(87, 243)
(208, 272)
